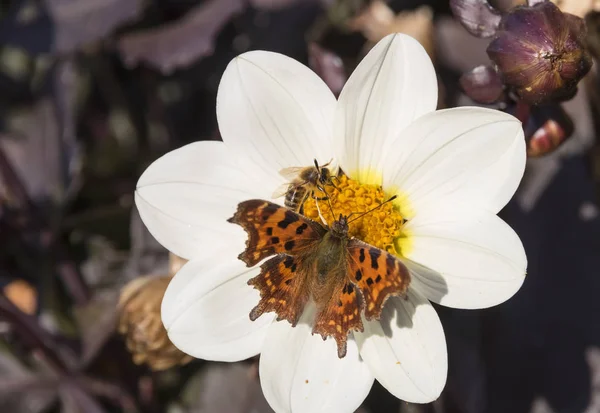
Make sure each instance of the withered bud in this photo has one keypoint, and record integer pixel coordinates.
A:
(549, 126)
(140, 323)
(540, 53)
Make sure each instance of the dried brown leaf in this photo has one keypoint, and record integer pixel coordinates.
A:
(578, 7)
(180, 43)
(378, 20)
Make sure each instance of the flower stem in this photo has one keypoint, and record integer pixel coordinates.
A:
(32, 334)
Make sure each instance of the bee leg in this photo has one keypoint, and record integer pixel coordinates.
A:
(317, 198)
(332, 183)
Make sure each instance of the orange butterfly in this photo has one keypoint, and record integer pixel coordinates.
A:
(342, 275)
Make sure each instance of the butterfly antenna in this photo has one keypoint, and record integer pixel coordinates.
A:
(372, 209)
(327, 198)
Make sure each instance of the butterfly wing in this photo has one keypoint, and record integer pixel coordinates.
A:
(340, 315)
(282, 288)
(377, 274)
(273, 229)
(276, 230)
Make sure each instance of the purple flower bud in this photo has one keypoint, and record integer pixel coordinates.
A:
(482, 84)
(540, 53)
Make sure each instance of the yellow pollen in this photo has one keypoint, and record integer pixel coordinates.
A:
(379, 228)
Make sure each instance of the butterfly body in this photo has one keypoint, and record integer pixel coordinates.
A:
(343, 277)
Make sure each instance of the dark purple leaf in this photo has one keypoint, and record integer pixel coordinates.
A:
(43, 161)
(75, 400)
(65, 91)
(78, 22)
(180, 43)
(17, 381)
(232, 388)
(274, 4)
(477, 16)
(97, 321)
(30, 333)
(482, 84)
(328, 66)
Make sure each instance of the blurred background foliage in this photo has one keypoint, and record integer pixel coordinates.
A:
(95, 90)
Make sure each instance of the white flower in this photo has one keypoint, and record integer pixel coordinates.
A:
(453, 170)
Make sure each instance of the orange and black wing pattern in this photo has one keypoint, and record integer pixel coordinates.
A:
(378, 274)
(273, 229)
(340, 316)
(282, 289)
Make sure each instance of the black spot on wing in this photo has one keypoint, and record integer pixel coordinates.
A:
(301, 228)
(361, 256)
(290, 218)
(289, 245)
(378, 278)
(271, 208)
(369, 281)
(269, 231)
(288, 262)
(358, 275)
(274, 240)
(374, 253)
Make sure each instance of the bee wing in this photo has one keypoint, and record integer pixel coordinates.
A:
(280, 191)
(291, 173)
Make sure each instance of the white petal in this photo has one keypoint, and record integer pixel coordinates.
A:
(470, 154)
(464, 259)
(275, 112)
(186, 196)
(301, 373)
(406, 351)
(206, 309)
(392, 86)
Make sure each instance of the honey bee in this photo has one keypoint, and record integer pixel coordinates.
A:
(304, 181)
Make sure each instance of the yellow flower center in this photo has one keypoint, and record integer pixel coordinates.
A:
(380, 228)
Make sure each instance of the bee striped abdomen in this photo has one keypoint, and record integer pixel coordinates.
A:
(294, 197)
